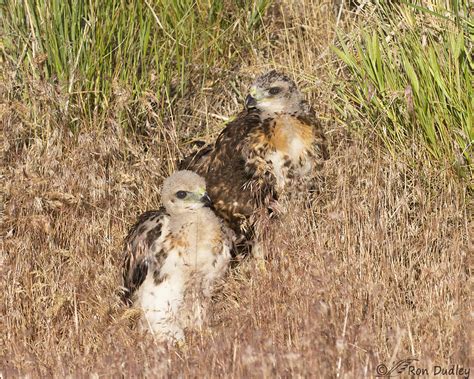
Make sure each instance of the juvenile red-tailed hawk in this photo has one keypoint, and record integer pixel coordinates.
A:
(173, 257)
(274, 146)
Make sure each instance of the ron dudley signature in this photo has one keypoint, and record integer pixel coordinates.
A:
(408, 367)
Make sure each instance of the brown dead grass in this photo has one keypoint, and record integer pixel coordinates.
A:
(374, 270)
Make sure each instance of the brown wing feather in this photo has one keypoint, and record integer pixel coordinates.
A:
(140, 250)
(197, 161)
(229, 173)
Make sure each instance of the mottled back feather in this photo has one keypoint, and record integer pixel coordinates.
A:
(227, 173)
(140, 249)
(198, 159)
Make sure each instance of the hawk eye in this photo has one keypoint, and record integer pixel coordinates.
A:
(181, 194)
(274, 90)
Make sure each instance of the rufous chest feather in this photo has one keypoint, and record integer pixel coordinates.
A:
(291, 137)
(290, 142)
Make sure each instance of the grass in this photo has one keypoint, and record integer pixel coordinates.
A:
(375, 270)
(412, 75)
(99, 50)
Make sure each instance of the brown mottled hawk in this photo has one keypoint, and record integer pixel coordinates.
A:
(274, 146)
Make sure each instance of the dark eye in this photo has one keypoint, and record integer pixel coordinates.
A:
(274, 90)
(181, 194)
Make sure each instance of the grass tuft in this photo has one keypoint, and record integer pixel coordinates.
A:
(410, 79)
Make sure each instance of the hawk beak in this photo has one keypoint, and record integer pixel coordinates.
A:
(206, 200)
(250, 102)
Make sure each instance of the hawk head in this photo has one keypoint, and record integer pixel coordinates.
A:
(184, 191)
(274, 92)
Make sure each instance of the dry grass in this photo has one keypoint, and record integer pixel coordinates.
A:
(374, 270)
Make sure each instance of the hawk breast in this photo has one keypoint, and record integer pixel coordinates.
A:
(290, 141)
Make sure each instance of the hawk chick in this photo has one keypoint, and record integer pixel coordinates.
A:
(274, 146)
(174, 256)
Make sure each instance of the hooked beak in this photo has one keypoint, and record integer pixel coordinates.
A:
(206, 200)
(250, 102)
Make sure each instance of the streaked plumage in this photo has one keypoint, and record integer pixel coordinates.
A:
(174, 256)
(274, 146)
